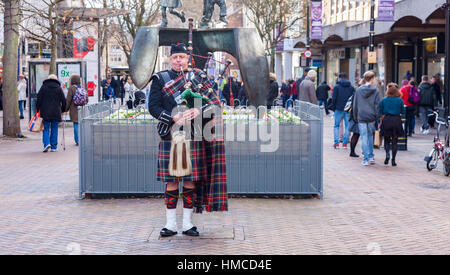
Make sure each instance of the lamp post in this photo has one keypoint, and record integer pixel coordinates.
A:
(447, 59)
(308, 30)
(372, 31)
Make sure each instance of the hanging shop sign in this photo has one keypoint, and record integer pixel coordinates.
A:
(372, 57)
(386, 10)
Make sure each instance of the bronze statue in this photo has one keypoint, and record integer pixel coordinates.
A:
(171, 5)
(242, 43)
(208, 10)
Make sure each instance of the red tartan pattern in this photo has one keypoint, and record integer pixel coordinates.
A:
(199, 78)
(197, 157)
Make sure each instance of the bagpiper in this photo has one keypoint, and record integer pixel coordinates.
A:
(204, 188)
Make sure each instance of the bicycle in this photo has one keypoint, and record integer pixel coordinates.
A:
(441, 150)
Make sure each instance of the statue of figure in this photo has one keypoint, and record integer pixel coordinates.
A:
(208, 10)
(171, 5)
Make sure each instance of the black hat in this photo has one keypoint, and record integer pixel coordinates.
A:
(342, 75)
(178, 48)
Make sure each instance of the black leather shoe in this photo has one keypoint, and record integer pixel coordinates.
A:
(192, 232)
(394, 163)
(386, 161)
(354, 155)
(167, 233)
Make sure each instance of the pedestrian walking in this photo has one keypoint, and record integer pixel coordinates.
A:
(322, 96)
(22, 94)
(428, 103)
(115, 84)
(300, 80)
(341, 94)
(410, 97)
(307, 91)
(106, 84)
(391, 108)
(366, 113)
(130, 89)
(353, 126)
(51, 102)
(123, 80)
(72, 107)
(234, 89)
(285, 92)
(273, 91)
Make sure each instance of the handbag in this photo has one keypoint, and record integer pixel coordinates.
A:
(349, 105)
(36, 123)
(377, 140)
(180, 164)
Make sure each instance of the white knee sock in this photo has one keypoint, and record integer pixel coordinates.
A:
(171, 217)
(187, 219)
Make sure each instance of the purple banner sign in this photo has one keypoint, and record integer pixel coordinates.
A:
(316, 20)
(386, 10)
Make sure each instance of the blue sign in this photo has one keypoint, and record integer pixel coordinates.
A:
(317, 63)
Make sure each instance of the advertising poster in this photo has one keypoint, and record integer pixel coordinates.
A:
(64, 73)
(85, 48)
(316, 20)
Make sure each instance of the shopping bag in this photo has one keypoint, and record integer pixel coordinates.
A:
(377, 141)
(36, 123)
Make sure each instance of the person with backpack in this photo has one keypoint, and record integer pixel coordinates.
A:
(427, 103)
(76, 96)
(410, 97)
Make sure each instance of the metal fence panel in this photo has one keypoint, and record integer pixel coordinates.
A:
(121, 158)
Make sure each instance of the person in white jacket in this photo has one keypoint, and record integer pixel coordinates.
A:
(129, 90)
(22, 94)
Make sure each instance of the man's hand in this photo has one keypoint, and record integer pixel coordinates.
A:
(191, 114)
(179, 119)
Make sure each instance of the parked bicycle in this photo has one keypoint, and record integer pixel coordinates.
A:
(441, 150)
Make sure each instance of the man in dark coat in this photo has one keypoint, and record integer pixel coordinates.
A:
(273, 91)
(204, 186)
(428, 103)
(51, 102)
(234, 90)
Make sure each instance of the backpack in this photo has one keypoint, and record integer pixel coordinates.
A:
(414, 95)
(80, 98)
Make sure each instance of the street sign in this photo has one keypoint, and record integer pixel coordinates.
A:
(308, 54)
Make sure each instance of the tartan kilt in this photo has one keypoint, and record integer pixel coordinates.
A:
(198, 158)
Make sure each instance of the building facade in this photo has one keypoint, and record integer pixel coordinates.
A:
(412, 44)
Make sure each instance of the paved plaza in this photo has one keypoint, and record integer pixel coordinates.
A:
(365, 210)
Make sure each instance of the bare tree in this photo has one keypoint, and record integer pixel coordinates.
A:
(11, 121)
(272, 19)
(44, 22)
(125, 27)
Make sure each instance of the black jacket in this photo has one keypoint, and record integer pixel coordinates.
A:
(341, 93)
(322, 92)
(427, 95)
(273, 92)
(51, 100)
(243, 98)
(234, 89)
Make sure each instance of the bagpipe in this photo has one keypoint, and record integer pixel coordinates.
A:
(195, 82)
